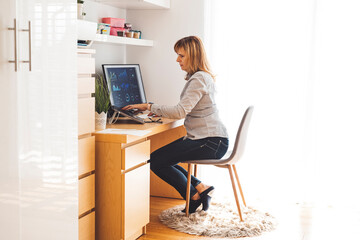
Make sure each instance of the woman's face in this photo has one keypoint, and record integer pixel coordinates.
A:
(183, 59)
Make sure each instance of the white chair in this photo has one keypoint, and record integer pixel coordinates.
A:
(227, 162)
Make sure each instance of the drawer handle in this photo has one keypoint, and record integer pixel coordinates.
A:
(134, 167)
(29, 31)
(15, 61)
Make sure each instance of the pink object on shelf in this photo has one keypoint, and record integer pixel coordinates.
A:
(114, 22)
(114, 30)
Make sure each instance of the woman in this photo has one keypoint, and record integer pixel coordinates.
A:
(206, 137)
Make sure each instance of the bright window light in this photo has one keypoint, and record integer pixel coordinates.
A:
(298, 63)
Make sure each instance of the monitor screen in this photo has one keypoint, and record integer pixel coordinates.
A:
(125, 84)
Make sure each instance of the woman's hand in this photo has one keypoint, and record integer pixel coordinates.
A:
(139, 107)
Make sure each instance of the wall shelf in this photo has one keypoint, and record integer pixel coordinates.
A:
(138, 4)
(87, 31)
(102, 38)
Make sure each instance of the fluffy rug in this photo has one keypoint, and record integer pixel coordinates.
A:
(221, 220)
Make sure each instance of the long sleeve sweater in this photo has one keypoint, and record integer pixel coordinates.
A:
(197, 105)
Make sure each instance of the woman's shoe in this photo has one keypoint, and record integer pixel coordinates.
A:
(194, 204)
(205, 197)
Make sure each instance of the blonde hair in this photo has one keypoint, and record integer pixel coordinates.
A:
(195, 50)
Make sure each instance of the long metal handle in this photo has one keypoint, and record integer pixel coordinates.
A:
(28, 30)
(15, 46)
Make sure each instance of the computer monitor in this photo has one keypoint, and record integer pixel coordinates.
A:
(125, 84)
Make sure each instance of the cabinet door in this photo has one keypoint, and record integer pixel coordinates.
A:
(39, 109)
(9, 164)
(86, 155)
(86, 64)
(87, 227)
(136, 189)
(86, 117)
(86, 194)
(86, 85)
(137, 201)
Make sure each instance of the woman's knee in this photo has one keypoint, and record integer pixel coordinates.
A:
(153, 166)
(156, 165)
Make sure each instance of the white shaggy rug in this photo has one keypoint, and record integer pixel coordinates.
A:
(221, 220)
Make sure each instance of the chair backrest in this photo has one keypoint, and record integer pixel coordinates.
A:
(241, 136)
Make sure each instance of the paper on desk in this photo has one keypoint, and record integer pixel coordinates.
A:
(143, 116)
(135, 132)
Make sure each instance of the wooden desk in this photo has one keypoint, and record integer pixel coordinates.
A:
(122, 185)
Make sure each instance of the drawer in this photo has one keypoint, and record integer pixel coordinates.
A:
(86, 85)
(135, 154)
(87, 227)
(86, 193)
(86, 65)
(86, 118)
(86, 155)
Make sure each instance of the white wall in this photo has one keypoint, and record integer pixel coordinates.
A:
(105, 53)
(162, 75)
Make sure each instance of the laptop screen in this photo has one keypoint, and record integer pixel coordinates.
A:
(125, 84)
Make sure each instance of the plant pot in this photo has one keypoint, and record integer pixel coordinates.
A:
(100, 121)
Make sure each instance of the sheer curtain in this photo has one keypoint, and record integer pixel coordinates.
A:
(298, 63)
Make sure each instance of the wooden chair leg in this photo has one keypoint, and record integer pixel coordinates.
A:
(235, 192)
(237, 179)
(188, 189)
(195, 170)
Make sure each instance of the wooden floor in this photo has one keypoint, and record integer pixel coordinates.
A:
(295, 222)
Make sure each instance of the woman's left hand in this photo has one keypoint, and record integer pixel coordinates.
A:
(139, 107)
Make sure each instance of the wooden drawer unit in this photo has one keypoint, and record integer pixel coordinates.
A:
(86, 155)
(122, 190)
(86, 118)
(86, 143)
(86, 194)
(87, 227)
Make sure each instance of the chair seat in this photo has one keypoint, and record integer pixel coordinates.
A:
(223, 161)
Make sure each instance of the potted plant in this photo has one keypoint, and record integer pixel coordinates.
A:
(80, 9)
(102, 102)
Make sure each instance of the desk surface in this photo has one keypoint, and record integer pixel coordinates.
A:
(154, 128)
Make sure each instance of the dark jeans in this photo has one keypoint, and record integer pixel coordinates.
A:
(163, 161)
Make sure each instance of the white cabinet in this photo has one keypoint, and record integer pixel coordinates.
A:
(38, 123)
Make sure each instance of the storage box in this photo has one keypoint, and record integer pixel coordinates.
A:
(114, 22)
(103, 28)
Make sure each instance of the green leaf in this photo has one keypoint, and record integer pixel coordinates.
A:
(102, 97)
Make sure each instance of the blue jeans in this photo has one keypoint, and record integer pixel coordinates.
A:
(163, 162)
